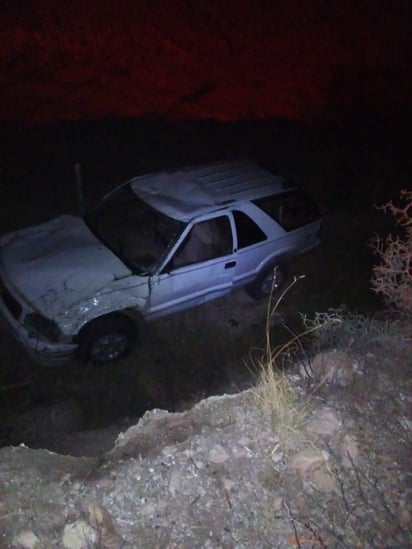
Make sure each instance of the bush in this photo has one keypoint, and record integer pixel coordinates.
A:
(392, 277)
(349, 331)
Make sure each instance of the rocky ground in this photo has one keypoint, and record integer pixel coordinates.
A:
(233, 472)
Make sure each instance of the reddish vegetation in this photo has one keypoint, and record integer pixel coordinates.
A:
(307, 61)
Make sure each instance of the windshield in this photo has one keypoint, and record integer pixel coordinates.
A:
(134, 231)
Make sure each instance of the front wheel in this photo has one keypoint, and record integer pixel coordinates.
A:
(269, 280)
(107, 338)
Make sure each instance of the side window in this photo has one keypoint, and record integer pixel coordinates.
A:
(207, 240)
(248, 232)
(291, 210)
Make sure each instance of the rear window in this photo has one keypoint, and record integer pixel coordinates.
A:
(248, 232)
(291, 210)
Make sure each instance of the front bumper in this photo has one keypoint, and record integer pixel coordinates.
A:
(42, 351)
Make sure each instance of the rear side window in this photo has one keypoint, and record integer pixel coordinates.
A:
(291, 210)
(248, 232)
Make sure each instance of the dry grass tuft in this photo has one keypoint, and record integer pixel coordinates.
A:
(274, 392)
(277, 397)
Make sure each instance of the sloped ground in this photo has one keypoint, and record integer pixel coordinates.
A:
(227, 474)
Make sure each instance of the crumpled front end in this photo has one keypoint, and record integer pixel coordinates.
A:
(45, 271)
(40, 336)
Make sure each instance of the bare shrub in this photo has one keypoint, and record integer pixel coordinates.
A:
(350, 331)
(392, 277)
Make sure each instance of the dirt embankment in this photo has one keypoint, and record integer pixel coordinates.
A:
(227, 473)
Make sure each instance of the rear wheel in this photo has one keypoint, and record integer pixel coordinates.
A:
(269, 280)
(107, 338)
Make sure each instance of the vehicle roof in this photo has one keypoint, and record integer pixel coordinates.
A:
(187, 192)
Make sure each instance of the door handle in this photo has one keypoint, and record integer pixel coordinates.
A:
(230, 265)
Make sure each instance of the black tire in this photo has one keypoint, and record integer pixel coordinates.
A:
(271, 279)
(107, 338)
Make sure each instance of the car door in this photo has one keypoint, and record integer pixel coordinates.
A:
(200, 267)
(253, 246)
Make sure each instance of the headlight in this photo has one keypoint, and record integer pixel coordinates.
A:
(38, 325)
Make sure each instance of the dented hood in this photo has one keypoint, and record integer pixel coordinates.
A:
(58, 264)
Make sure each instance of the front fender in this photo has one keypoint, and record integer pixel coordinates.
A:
(75, 318)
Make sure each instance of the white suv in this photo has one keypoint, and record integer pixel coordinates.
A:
(157, 244)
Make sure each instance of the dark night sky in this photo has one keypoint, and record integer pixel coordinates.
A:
(310, 61)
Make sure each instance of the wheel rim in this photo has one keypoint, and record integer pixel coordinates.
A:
(109, 347)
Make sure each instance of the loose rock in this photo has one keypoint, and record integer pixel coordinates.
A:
(307, 459)
(324, 422)
(26, 540)
(79, 535)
